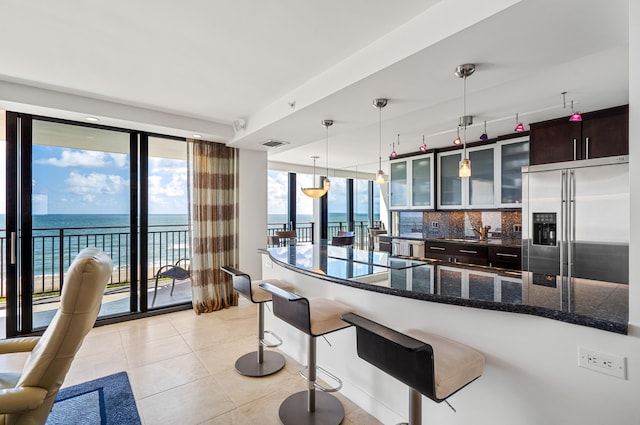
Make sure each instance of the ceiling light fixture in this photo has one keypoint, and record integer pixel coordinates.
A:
(575, 116)
(327, 182)
(519, 127)
(197, 136)
(484, 137)
(457, 141)
(380, 103)
(394, 154)
(463, 71)
(92, 119)
(423, 147)
(314, 192)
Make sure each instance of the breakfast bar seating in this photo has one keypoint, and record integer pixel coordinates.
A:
(315, 317)
(429, 364)
(257, 363)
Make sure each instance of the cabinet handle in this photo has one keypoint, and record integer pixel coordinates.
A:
(467, 251)
(438, 248)
(587, 142)
(574, 150)
(500, 254)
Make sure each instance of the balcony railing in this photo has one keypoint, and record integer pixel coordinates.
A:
(55, 248)
(305, 233)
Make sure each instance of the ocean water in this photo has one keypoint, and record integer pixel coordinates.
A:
(56, 235)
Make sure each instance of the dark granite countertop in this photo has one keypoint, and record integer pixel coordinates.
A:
(490, 241)
(600, 305)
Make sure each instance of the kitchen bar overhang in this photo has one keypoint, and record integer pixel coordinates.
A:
(600, 305)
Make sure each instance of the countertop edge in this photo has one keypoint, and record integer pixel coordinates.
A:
(605, 325)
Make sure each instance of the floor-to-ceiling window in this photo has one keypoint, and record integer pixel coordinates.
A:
(73, 185)
(169, 234)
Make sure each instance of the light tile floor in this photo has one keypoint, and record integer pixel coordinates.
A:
(181, 368)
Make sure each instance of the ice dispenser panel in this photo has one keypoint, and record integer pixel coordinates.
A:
(544, 229)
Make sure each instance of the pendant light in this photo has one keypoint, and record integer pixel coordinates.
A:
(575, 116)
(327, 182)
(484, 136)
(314, 192)
(423, 147)
(519, 127)
(380, 103)
(394, 154)
(463, 71)
(457, 141)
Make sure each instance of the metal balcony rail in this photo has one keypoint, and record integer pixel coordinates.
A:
(305, 232)
(55, 248)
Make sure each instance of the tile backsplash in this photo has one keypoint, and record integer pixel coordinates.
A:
(458, 224)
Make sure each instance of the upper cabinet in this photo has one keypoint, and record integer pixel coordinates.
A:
(514, 154)
(599, 134)
(496, 176)
(411, 182)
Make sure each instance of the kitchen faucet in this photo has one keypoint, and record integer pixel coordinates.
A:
(483, 231)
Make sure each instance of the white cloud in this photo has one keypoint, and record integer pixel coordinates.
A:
(87, 159)
(90, 185)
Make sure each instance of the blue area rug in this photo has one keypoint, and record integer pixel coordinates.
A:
(104, 401)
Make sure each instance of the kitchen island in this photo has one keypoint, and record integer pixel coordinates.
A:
(529, 334)
(601, 305)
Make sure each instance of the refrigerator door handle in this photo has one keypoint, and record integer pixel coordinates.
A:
(575, 154)
(587, 146)
(563, 230)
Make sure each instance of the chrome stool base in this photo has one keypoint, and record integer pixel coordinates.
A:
(328, 410)
(248, 364)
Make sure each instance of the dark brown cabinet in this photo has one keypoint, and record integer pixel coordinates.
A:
(599, 134)
(508, 257)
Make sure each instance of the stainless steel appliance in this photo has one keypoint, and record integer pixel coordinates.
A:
(576, 223)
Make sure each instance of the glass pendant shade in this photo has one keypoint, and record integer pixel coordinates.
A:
(316, 192)
(423, 147)
(327, 184)
(465, 168)
(484, 136)
(575, 117)
(519, 126)
(380, 177)
(457, 141)
(394, 155)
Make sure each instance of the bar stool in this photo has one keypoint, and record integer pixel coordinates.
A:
(315, 317)
(257, 363)
(429, 364)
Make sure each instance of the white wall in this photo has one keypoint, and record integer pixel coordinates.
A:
(531, 375)
(252, 210)
(634, 172)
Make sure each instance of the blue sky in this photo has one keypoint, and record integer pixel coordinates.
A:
(76, 181)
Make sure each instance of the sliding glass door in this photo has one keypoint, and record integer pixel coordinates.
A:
(73, 185)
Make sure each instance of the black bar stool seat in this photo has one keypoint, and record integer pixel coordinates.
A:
(261, 362)
(315, 317)
(429, 364)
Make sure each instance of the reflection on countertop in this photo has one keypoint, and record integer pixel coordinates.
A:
(591, 303)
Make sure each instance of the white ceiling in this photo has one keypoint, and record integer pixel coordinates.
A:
(282, 66)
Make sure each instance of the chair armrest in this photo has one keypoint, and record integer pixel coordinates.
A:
(18, 345)
(275, 290)
(20, 399)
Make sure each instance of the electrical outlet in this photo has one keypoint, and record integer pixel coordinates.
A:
(434, 224)
(606, 363)
(517, 227)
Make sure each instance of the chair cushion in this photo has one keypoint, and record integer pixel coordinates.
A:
(455, 364)
(325, 315)
(259, 295)
(175, 272)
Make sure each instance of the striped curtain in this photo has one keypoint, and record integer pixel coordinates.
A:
(214, 223)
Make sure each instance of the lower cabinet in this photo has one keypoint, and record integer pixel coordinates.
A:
(508, 257)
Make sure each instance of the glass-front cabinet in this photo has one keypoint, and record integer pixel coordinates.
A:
(481, 187)
(495, 181)
(450, 193)
(514, 154)
(411, 183)
(398, 184)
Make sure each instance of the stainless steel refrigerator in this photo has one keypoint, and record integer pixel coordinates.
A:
(575, 224)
